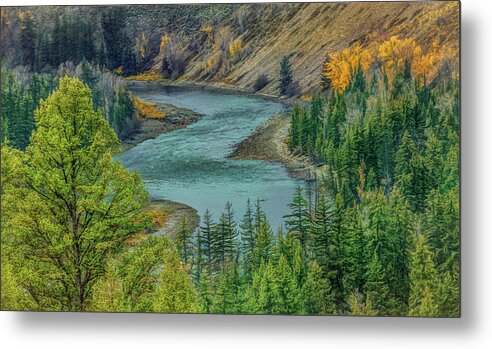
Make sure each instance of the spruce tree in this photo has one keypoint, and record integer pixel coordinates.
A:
(297, 221)
(285, 75)
(423, 280)
(317, 296)
(248, 239)
(206, 242)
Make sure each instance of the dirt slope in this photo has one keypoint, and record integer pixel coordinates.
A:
(309, 31)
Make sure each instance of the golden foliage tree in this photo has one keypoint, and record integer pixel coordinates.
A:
(405, 56)
(342, 66)
(236, 47)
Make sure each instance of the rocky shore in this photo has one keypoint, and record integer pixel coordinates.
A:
(269, 142)
(168, 217)
(169, 118)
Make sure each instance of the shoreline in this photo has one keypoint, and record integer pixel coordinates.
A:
(168, 217)
(268, 142)
(209, 86)
(170, 118)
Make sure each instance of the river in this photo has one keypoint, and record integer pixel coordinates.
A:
(190, 165)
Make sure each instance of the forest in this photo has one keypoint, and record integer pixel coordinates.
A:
(377, 233)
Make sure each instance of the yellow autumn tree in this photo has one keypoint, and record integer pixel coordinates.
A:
(397, 55)
(165, 39)
(208, 29)
(236, 47)
(405, 56)
(342, 66)
(141, 45)
(222, 39)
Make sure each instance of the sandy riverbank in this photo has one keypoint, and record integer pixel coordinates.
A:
(269, 142)
(168, 217)
(169, 118)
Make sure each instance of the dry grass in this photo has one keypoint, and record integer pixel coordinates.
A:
(159, 218)
(148, 76)
(311, 31)
(147, 110)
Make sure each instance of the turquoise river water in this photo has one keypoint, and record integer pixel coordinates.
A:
(190, 165)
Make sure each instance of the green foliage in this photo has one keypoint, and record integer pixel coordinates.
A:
(424, 281)
(19, 101)
(287, 85)
(66, 205)
(175, 292)
(22, 91)
(380, 237)
(297, 221)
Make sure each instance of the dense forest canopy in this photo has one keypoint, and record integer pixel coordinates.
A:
(378, 113)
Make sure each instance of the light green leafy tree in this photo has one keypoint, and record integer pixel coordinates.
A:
(71, 204)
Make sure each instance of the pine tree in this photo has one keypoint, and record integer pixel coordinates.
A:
(28, 38)
(285, 78)
(264, 243)
(175, 292)
(248, 239)
(286, 292)
(184, 242)
(320, 231)
(359, 307)
(297, 221)
(448, 295)
(228, 297)
(424, 281)
(205, 293)
(206, 242)
(316, 293)
(355, 250)
(398, 250)
(225, 239)
(403, 170)
(376, 286)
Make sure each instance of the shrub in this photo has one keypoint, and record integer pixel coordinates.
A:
(261, 82)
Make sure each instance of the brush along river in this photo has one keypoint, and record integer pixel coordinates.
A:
(190, 165)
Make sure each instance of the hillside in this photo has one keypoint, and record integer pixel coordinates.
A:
(232, 44)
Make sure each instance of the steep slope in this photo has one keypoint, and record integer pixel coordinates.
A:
(308, 32)
(231, 45)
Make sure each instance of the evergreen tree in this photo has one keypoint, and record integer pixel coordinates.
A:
(424, 281)
(205, 293)
(377, 288)
(28, 39)
(248, 239)
(264, 243)
(224, 241)
(184, 243)
(285, 78)
(297, 221)
(286, 292)
(206, 242)
(316, 293)
(359, 307)
(175, 292)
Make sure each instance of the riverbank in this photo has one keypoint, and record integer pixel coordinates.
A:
(158, 118)
(136, 84)
(168, 217)
(269, 142)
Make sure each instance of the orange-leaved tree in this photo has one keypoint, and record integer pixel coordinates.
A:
(341, 67)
